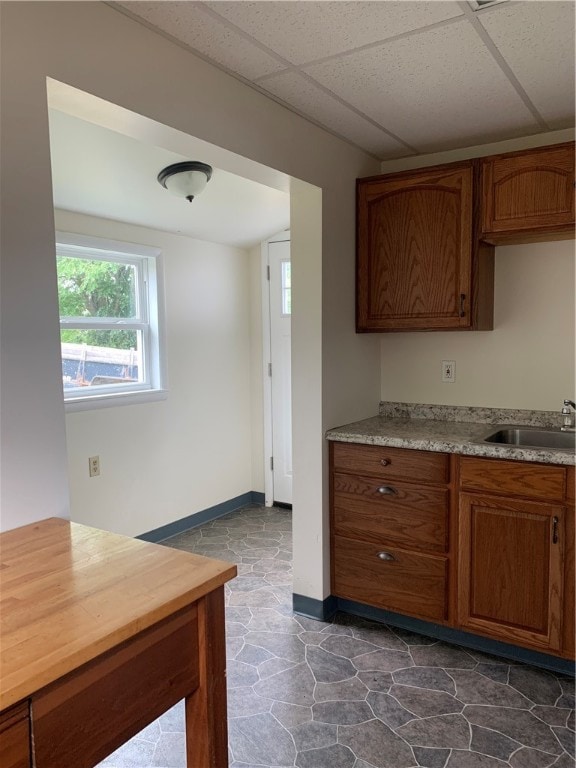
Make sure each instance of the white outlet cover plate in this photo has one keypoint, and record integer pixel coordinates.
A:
(449, 371)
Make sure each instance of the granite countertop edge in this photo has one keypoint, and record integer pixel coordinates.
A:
(426, 434)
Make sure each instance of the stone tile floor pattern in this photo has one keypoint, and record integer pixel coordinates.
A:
(353, 693)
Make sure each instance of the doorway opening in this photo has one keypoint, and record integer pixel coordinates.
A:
(171, 461)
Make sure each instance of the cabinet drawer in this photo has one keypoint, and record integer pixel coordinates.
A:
(515, 478)
(407, 515)
(402, 463)
(410, 583)
(15, 737)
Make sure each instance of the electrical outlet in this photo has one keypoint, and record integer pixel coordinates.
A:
(94, 466)
(449, 371)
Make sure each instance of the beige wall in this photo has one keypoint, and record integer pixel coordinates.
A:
(151, 76)
(166, 460)
(527, 361)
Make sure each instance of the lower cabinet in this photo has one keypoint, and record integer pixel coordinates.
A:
(389, 527)
(510, 569)
(569, 617)
(482, 545)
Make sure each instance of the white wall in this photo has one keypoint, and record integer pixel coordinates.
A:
(166, 460)
(527, 361)
(92, 47)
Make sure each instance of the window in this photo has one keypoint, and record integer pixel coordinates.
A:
(108, 295)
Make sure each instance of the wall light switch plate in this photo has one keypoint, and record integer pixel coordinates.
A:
(449, 371)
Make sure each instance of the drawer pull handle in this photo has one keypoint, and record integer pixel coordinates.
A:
(387, 490)
(385, 462)
(385, 556)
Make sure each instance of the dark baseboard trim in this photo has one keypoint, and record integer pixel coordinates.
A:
(324, 609)
(199, 518)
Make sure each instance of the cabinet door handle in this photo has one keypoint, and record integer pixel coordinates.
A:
(462, 300)
(385, 556)
(387, 490)
(554, 530)
(385, 462)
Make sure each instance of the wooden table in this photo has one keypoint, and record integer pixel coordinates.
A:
(99, 635)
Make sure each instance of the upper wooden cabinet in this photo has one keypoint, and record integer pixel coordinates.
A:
(425, 238)
(528, 195)
(418, 255)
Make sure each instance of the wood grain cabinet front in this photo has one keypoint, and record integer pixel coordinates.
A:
(15, 738)
(510, 569)
(389, 530)
(516, 548)
(479, 544)
(418, 264)
(569, 618)
(528, 195)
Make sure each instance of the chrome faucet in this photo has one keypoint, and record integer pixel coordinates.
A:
(568, 422)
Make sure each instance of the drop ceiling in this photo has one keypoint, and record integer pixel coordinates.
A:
(395, 77)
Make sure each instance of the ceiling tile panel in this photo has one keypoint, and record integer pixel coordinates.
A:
(305, 31)
(313, 102)
(191, 25)
(439, 89)
(537, 41)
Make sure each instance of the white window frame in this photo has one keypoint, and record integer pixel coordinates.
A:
(150, 310)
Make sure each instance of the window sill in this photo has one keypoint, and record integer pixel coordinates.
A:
(95, 402)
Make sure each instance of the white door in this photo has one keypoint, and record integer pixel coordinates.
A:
(280, 352)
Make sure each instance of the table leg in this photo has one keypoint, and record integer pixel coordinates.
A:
(206, 708)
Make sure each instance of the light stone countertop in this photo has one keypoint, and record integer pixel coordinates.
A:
(428, 433)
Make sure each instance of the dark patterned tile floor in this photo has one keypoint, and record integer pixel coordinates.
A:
(353, 693)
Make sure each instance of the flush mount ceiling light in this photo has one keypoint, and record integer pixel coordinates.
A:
(185, 179)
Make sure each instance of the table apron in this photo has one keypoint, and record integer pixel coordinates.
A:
(83, 717)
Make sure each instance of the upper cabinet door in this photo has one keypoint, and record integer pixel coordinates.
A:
(528, 193)
(414, 250)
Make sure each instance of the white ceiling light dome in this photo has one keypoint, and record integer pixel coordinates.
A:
(187, 179)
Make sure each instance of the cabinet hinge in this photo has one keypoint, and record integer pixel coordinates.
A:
(267, 271)
(272, 462)
(269, 369)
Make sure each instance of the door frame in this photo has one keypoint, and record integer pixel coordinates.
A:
(280, 237)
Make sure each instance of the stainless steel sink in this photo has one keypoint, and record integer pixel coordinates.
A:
(532, 437)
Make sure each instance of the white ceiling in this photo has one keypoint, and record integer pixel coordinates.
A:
(101, 172)
(394, 77)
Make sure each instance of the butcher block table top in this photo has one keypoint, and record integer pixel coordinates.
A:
(69, 593)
